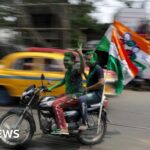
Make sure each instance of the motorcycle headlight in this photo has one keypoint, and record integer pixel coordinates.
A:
(27, 94)
(25, 99)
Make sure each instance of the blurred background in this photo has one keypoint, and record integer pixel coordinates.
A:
(63, 23)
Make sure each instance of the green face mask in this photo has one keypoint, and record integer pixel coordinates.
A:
(91, 62)
(67, 62)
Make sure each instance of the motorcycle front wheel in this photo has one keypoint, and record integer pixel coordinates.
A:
(91, 136)
(12, 136)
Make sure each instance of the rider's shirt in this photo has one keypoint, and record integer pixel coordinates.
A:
(96, 73)
(73, 81)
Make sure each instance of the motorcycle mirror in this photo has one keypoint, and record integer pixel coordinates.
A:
(42, 77)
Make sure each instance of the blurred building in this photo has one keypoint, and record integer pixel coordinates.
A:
(45, 25)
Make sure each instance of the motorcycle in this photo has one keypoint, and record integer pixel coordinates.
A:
(23, 119)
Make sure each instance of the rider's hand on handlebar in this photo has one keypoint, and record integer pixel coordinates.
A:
(44, 89)
(49, 89)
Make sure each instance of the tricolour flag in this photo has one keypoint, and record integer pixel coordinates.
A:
(139, 40)
(137, 47)
(118, 59)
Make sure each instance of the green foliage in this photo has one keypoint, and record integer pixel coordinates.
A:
(74, 39)
(6, 11)
(80, 19)
(45, 1)
(80, 16)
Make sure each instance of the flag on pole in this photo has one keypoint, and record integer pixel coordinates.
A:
(140, 41)
(118, 59)
(137, 47)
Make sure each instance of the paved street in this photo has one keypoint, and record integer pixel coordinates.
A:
(129, 130)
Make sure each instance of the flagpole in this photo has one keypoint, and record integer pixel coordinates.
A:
(101, 107)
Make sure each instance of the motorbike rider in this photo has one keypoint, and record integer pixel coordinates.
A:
(73, 84)
(94, 89)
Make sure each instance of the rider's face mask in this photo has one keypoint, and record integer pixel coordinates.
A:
(90, 61)
(68, 63)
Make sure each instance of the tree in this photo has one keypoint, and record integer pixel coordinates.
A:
(80, 19)
(78, 14)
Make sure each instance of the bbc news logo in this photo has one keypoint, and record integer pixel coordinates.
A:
(9, 134)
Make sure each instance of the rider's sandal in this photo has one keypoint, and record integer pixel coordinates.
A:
(60, 132)
(83, 127)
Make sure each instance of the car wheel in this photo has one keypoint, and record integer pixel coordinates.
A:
(5, 99)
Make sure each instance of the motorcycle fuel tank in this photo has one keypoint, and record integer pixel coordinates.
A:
(47, 101)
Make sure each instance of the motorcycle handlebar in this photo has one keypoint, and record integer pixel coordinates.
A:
(43, 89)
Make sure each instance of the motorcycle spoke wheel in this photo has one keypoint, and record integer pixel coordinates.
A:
(8, 124)
(91, 136)
(91, 133)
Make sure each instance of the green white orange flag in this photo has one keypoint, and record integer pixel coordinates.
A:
(139, 40)
(137, 47)
(118, 59)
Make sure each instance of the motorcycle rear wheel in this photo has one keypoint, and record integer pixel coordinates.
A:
(90, 136)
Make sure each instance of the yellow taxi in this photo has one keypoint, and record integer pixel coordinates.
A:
(21, 69)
